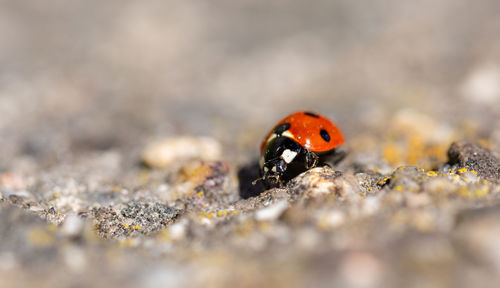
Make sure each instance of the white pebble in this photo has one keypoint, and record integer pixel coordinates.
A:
(333, 219)
(177, 231)
(73, 226)
(271, 212)
(482, 85)
(164, 152)
(371, 205)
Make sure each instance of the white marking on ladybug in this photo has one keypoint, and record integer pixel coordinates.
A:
(271, 138)
(266, 169)
(288, 155)
(273, 169)
(288, 134)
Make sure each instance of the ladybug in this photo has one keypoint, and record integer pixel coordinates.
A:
(299, 142)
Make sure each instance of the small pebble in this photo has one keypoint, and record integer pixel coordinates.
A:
(371, 205)
(72, 226)
(177, 231)
(165, 152)
(322, 181)
(272, 212)
(482, 85)
(474, 157)
(331, 219)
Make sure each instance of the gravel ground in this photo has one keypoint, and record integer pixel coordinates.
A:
(130, 131)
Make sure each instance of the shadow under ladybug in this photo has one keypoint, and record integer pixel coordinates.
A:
(246, 176)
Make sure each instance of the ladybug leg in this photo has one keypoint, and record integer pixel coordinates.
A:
(337, 157)
(326, 164)
(280, 181)
(312, 160)
(332, 158)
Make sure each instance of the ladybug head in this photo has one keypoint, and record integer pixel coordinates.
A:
(272, 172)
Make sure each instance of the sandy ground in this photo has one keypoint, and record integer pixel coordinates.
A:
(87, 88)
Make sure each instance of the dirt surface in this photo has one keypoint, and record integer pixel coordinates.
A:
(129, 134)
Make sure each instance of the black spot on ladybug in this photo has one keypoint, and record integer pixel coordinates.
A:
(311, 114)
(281, 128)
(324, 134)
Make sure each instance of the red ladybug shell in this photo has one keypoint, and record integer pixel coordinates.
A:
(308, 129)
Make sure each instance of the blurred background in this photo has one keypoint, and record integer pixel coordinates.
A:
(85, 85)
(94, 75)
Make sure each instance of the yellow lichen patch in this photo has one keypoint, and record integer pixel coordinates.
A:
(195, 172)
(439, 185)
(437, 151)
(137, 227)
(164, 235)
(465, 192)
(392, 154)
(207, 215)
(264, 225)
(474, 191)
(417, 140)
(398, 188)
(462, 170)
(40, 237)
(383, 181)
(191, 175)
(485, 143)
(415, 150)
(224, 213)
(128, 242)
(482, 191)
(432, 173)
(245, 228)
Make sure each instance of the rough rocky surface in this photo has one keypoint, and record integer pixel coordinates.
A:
(473, 156)
(129, 132)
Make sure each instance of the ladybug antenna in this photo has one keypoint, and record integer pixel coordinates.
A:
(257, 180)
